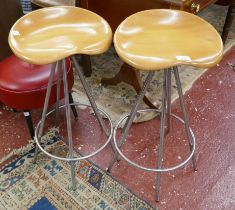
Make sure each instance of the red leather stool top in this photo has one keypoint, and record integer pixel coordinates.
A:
(23, 85)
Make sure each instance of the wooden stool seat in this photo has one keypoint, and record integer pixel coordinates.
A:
(50, 3)
(51, 34)
(162, 38)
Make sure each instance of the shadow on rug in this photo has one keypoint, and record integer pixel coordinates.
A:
(117, 100)
(47, 184)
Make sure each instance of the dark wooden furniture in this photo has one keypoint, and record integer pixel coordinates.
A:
(115, 11)
(124, 8)
(10, 11)
(229, 18)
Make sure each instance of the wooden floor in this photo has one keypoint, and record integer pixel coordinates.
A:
(211, 106)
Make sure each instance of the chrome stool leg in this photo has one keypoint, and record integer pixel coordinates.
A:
(48, 93)
(166, 109)
(185, 116)
(165, 95)
(68, 122)
(89, 95)
(168, 102)
(59, 70)
(72, 158)
(131, 117)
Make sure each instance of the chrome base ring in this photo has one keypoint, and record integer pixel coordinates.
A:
(75, 158)
(154, 169)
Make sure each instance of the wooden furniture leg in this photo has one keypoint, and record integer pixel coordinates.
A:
(228, 22)
(86, 63)
(130, 76)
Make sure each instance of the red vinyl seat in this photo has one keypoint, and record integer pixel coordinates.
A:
(23, 86)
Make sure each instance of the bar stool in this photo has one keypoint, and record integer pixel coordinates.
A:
(62, 32)
(164, 39)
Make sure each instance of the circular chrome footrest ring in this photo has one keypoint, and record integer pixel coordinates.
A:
(154, 169)
(75, 158)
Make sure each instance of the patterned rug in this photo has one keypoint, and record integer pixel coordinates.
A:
(117, 100)
(47, 184)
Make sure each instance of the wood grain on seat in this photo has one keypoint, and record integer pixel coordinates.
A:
(161, 38)
(50, 34)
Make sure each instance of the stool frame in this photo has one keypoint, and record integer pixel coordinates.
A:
(40, 126)
(166, 109)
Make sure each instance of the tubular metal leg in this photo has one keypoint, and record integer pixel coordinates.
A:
(89, 95)
(59, 70)
(168, 93)
(29, 122)
(68, 121)
(48, 93)
(131, 117)
(162, 133)
(185, 117)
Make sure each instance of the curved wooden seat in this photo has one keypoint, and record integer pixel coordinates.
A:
(161, 38)
(51, 34)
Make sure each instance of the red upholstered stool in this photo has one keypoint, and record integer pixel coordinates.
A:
(23, 86)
